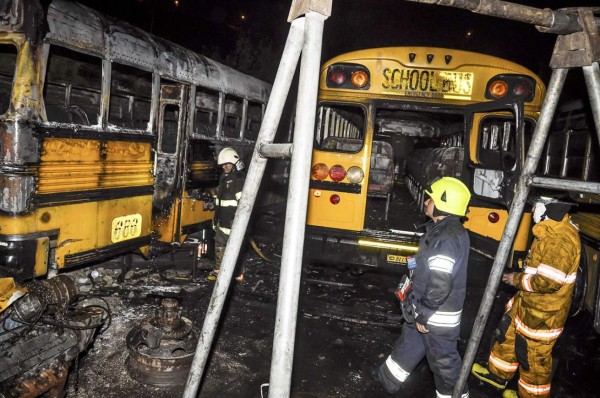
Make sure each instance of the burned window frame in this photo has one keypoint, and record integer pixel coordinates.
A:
(17, 48)
(133, 99)
(319, 139)
(73, 113)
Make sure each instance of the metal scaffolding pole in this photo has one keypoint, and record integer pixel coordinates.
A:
(516, 211)
(295, 218)
(592, 81)
(281, 86)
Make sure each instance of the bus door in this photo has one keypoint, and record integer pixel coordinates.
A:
(497, 135)
(166, 201)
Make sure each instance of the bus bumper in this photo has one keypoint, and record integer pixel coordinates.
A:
(364, 248)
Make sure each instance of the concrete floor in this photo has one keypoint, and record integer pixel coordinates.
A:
(347, 323)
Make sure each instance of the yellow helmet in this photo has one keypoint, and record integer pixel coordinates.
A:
(450, 195)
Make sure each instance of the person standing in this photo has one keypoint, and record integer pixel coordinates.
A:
(229, 192)
(432, 310)
(536, 314)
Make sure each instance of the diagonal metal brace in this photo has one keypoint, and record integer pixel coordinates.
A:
(302, 7)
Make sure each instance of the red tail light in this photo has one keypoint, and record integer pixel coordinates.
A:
(334, 199)
(337, 173)
(493, 217)
(338, 77)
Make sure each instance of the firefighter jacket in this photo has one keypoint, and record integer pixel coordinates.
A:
(228, 195)
(440, 278)
(547, 281)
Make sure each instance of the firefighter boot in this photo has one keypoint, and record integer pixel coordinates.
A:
(483, 374)
(510, 394)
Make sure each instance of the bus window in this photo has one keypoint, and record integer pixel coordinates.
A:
(168, 142)
(254, 121)
(73, 86)
(207, 109)
(498, 144)
(340, 128)
(130, 94)
(232, 123)
(8, 58)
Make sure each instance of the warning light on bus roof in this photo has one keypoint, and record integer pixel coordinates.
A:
(337, 76)
(498, 88)
(359, 78)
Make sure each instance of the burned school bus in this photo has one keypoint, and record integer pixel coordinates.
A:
(107, 137)
(390, 121)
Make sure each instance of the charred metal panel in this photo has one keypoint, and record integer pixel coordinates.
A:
(18, 146)
(426, 164)
(83, 28)
(16, 191)
(75, 25)
(165, 180)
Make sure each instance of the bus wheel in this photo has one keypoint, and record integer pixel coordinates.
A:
(581, 286)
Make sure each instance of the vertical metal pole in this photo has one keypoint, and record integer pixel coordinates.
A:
(592, 81)
(295, 218)
(281, 86)
(516, 210)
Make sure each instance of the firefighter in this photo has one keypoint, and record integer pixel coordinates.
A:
(433, 305)
(229, 192)
(536, 314)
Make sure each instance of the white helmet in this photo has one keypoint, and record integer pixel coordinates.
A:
(547, 207)
(228, 155)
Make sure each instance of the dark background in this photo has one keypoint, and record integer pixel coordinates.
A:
(249, 35)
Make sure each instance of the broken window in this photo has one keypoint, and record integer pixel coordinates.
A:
(498, 143)
(232, 123)
(255, 115)
(168, 142)
(130, 97)
(73, 86)
(8, 59)
(340, 128)
(207, 112)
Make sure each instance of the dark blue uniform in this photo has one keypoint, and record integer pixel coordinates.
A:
(439, 287)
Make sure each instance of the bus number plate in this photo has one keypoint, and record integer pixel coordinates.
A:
(126, 227)
(392, 258)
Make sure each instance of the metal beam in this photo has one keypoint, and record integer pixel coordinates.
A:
(545, 20)
(569, 185)
(295, 217)
(280, 151)
(281, 87)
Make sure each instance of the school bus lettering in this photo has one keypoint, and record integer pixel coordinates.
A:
(428, 83)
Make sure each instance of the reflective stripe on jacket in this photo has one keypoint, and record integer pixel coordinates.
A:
(440, 279)
(548, 279)
(228, 195)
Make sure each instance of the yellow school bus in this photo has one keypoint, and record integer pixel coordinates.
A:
(107, 137)
(390, 121)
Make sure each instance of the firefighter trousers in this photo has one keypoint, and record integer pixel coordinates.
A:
(410, 348)
(533, 359)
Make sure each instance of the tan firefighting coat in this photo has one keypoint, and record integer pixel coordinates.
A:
(547, 281)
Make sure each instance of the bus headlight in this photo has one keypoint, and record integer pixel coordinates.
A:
(337, 173)
(320, 171)
(355, 175)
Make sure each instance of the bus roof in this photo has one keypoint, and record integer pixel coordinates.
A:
(83, 28)
(440, 57)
